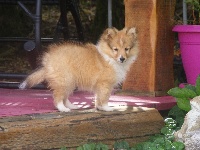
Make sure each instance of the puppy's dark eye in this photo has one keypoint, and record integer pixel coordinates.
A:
(126, 49)
(115, 49)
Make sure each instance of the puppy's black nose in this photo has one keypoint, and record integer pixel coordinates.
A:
(122, 59)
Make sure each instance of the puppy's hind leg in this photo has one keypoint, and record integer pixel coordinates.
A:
(70, 88)
(59, 95)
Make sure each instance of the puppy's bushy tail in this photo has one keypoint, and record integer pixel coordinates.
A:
(33, 79)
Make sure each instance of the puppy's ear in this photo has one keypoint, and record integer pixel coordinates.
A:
(110, 32)
(130, 31)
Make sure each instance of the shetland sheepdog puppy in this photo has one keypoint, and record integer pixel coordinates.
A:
(95, 68)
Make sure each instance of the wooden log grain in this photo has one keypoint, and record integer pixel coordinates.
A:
(54, 130)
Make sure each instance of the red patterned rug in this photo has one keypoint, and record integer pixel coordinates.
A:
(15, 102)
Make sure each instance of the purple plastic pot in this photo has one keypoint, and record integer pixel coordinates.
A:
(189, 39)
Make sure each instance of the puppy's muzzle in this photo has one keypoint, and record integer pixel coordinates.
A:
(122, 59)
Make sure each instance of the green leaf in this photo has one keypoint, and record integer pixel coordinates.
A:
(63, 148)
(101, 146)
(139, 146)
(184, 104)
(164, 130)
(87, 147)
(153, 138)
(168, 145)
(170, 122)
(170, 137)
(178, 145)
(149, 146)
(79, 148)
(146, 146)
(182, 92)
(177, 114)
(121, 145)
(161, 140)
(92, 146)
(167, 131)
(171, 126)
(191, 87)
(159, 147)
(198, 85)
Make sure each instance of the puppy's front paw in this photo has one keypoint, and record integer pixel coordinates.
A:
(105, 108)
(69, 105)
(61, 107)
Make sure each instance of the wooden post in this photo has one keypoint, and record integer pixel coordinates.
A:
(152, 73)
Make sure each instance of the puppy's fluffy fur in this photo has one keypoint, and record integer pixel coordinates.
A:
(86, 66)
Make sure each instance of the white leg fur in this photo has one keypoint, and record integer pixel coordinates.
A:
(61, 107)
(23, 85)
(105, 108)
(69, 105)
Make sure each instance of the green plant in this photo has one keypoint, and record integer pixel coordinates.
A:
(122, 145)
(162, 141)
(178, 115)
(90, 146)
(93, 146)
(184, 95)
(195, 4)
(63, 148)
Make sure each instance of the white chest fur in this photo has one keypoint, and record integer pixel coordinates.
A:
(120, 68)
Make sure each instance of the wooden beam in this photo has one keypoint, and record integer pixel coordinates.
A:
(152, 73)
(54, 130)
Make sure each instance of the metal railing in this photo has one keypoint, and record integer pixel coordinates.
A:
(33, 46)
